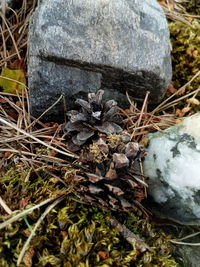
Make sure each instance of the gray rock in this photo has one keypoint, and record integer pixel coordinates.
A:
(79, 46)
(188, 256)
(173, 168)
(185, 255)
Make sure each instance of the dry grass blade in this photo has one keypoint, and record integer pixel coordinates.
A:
(12, 126)
(142, 113)
(174, 15)
(14, 31)
(164, 104)
(176, 11)
(129, 236)
(179, 241)
(21, 255)
(22, 135)
(185, 243)
(141, 122)
(6, 208)
(25, 212)
(36, 120)
(11, 35)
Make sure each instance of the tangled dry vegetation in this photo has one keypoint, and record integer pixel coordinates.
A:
(46, 219)
(13, 31)
(38, 170)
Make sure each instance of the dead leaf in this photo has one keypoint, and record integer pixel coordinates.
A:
(103, 255)
(162, 2)
(3, 101)
(12, 80)
(47, 124)
(28, 256)
(78, 178)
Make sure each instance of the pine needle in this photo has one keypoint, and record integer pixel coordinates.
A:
(25, 247)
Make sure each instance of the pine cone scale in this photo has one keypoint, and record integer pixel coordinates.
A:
(112, 162)
(94, 115)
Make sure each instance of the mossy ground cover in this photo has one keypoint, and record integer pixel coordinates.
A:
(72, 233)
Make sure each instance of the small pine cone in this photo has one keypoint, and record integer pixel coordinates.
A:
(92, 116)
(114, 180)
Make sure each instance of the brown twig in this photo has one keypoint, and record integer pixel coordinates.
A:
(131, 238)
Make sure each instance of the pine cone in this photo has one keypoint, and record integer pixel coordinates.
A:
(92, 117)
(113, 179)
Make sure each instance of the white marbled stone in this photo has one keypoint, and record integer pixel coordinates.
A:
(173, 168)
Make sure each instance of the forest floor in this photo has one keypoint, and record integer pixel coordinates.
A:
(43, 221)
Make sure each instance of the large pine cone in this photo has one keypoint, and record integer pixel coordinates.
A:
(92, 117)
(111, 176)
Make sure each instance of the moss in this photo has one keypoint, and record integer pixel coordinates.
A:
(186, 52)
(19, 183)
(73, 234)
(192, 6)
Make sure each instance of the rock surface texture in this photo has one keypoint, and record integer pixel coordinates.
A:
(173, 168)
(76, 47)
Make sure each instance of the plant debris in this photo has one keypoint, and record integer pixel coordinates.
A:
(33, 177)
(92, 117)
(61, 208)
(114, 177)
